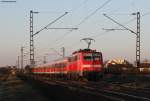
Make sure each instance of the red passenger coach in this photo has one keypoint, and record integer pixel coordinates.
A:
(84, 63)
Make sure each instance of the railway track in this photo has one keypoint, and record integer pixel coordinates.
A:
(98, 89)
(136, 92)
(106, 91)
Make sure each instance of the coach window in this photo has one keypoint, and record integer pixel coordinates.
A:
(62, 65)
(59, 65)
(56, 65)
(87, 56)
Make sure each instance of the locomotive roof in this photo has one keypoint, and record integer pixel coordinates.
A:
(84, 50)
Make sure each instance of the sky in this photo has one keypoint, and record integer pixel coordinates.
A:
(86, 15)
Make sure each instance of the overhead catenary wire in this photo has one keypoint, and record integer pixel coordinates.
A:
(73, 10)
(103, 33)
(95, 11)
(83, 20)
(125, 23)
(58, 40)
(79, 6)
(50, 24)
(107, 32)
(126, 28)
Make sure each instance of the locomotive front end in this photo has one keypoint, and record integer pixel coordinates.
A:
(92, 65)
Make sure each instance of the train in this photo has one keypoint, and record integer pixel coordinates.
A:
(84, 64)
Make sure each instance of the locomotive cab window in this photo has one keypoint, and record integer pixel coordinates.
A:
(97, 56)
(94, 56)
(87, 57)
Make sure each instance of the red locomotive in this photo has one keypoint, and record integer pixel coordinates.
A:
(84, 63)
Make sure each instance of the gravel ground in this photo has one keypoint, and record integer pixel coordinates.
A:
(14, 89)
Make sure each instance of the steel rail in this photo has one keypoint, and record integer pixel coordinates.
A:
(90, 89)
